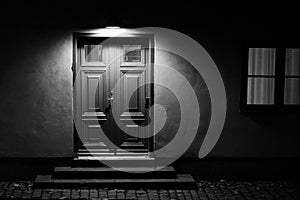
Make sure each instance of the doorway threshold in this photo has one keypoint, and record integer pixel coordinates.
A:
(115, 157)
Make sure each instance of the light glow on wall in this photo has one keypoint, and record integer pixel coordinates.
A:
(110, 31)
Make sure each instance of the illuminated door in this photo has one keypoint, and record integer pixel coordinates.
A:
(101, 64)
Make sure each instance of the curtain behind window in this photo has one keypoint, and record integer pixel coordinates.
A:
(261, 76)
(292, 79)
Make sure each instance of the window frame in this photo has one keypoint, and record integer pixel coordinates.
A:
(279, 92)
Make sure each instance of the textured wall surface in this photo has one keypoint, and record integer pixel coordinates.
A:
(36, 95)
(168, 99)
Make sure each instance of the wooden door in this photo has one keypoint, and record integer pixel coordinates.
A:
(101, 64)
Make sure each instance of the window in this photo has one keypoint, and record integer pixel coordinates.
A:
(271, 78)
(93, 53)
(133, 53)
(292, 77)
(261, 76)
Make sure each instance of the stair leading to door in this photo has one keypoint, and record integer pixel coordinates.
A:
(105, 172)
(114, 161)
(111, 152)
(103, 177)
(133, 154)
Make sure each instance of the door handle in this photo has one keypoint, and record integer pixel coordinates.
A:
(147, 102)
(111, 98)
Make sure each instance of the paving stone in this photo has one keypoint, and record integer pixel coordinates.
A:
(206, 190)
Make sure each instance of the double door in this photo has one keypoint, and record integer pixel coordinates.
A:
(112, 97)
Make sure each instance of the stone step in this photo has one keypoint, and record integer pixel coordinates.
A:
(129, 144)
(110, 150)
(113, 152)
(106, 172)
(114, 161)
(182, 181)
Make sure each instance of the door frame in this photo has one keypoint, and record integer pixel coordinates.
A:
(75, 66)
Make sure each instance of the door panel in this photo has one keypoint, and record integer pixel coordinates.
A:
(130, 83)
(93, 132)
(131, 80)
(93, 90)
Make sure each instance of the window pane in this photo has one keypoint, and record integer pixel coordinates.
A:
(132, 53)
(260, 90)
(93, 53)
(292, 91)
(292, 62)
(261, 61)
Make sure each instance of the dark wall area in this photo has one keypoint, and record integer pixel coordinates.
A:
(36, 75)
(36, 94)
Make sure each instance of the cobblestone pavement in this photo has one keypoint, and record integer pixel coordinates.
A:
(206, 190)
